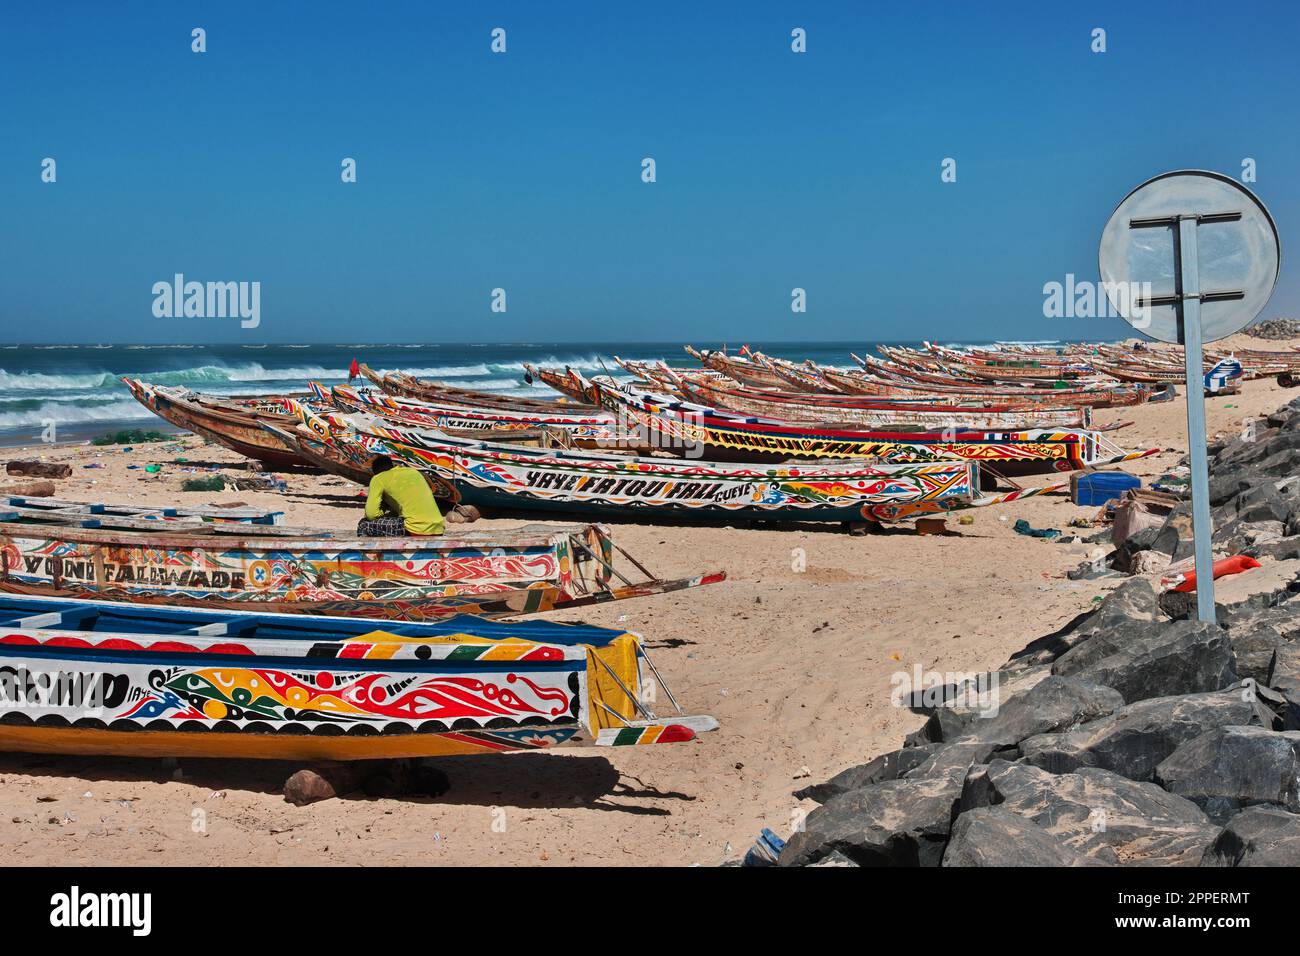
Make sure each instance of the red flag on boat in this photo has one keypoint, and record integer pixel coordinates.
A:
(354, 370)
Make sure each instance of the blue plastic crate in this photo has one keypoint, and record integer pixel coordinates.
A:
(1099, 487)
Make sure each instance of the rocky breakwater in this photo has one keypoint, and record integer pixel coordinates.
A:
(1275, 329)
(1134, 735)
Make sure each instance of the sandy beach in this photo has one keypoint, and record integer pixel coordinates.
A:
(793, 654)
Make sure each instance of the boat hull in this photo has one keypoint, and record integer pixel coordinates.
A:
(628, 487)
(242, 433)
(88, 678)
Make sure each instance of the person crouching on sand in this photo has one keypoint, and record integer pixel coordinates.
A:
(399, 503)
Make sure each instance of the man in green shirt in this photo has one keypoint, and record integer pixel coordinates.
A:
(399, 503)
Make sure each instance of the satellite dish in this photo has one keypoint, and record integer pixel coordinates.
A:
(1230, 274)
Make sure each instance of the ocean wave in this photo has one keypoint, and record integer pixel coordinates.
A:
(485, 384)
(580, 362)
(41, 381)
(63, 413)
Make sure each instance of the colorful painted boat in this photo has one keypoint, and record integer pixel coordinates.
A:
(96, 514)
(632, 487)
(585, 428)
(863, 410)
(738, 368)
(494, 573)
(668, 423)
(884, 380)
(96, 678)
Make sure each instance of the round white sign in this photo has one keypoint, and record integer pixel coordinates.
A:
(1235, 267)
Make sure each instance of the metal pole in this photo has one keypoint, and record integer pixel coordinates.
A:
(1190, 311)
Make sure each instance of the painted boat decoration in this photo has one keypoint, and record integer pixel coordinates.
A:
(738, 368)
(863, 410)
(349, 460)
(581, 427)
(233, 423)
(96, 678)
(97, 514)
(669, 423)
(587, 483)
(880, 379)
(493, 573)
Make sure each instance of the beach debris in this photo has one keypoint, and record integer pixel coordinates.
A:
(463, 514)
(325, 782)
(1023, 527)
(765, 850)
(1138, 509)
(377, 778)
(263, 482)
(1224, 566)
(35, 468)
(214, 483)
(1091, 488)
(931, 526)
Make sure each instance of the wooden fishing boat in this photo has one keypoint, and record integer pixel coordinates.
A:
(235, 424)
(1010, 368)
(738, 369)
(722, 435)
(900, 385)
(96, 678)
(926, 367)
(566, 383)
(861, 410)
(408, 386)
(494, 573)
(94, 514)
(792, 376)
(584, 429)
(633, 487)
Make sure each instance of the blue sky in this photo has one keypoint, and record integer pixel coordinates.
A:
(522, 171)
